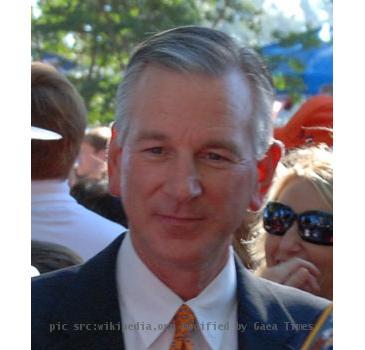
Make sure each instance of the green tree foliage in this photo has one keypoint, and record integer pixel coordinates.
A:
(219, 12)
(98, 37)
(293, 83)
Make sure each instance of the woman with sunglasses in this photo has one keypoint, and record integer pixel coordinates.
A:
(297, 221)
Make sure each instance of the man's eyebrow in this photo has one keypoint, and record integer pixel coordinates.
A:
(148, 135)
(224, 144)
(154, 135)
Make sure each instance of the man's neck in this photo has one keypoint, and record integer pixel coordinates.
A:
(186, 280)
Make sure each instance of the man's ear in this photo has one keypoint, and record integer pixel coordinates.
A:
(266, 170)
(114, 163)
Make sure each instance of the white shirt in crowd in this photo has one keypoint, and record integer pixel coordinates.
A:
(58, 218)
(147, 305)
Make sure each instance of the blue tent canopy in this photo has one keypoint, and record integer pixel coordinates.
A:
(62, 63)
(317, 62)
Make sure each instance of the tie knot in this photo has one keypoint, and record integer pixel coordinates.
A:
(184, 321)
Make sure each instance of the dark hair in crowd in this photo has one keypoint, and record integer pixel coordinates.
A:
(48, 256)
(94, 195)
(98, 137)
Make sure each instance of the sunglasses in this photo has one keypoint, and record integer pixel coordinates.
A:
(314, 226)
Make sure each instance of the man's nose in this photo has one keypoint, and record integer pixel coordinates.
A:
(183, 181)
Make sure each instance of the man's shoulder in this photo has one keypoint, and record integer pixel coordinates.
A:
(95, 221)
(78, 229)
(292, 299)
(62, 209)
(274, 314)
(51, 290)
(292, 302)
(83, 295)
(98, 269)
(54, 278)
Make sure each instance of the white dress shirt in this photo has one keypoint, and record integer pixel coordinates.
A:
(58, 218)
(147, 305)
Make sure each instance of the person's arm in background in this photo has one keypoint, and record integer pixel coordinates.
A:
(296, 272)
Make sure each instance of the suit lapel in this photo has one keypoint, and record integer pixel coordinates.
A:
(100, 272)
(253, 316)
(97, 305)
(91, 342)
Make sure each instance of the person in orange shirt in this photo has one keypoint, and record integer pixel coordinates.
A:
(311, 124)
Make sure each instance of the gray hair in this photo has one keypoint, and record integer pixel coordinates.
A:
(194, 49)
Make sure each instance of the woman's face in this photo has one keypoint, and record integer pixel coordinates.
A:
(301, 195)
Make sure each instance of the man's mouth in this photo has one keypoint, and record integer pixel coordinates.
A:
(179, 219)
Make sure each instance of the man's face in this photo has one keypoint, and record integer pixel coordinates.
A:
(90, 163)
(187, 166)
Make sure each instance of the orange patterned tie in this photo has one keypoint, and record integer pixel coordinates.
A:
(184, 321)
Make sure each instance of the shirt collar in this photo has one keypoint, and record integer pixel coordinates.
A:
(214, 304)
(49, 190)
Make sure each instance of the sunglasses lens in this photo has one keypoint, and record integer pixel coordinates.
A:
(317, 227)
(277, 218)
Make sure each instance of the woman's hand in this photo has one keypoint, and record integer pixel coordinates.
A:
(296, 272)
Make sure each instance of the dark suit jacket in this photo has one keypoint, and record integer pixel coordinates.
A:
(77, 308)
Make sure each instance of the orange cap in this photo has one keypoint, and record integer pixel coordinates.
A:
(312, 123)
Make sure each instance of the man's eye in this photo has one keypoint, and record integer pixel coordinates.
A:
(215, 156)
(154, 150)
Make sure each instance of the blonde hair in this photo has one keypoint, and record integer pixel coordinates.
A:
(313, 164)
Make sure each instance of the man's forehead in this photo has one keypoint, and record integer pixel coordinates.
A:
(233, 79)
(158, 84)
(239, 92)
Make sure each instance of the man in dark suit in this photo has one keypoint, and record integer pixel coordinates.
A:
(190, 152)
